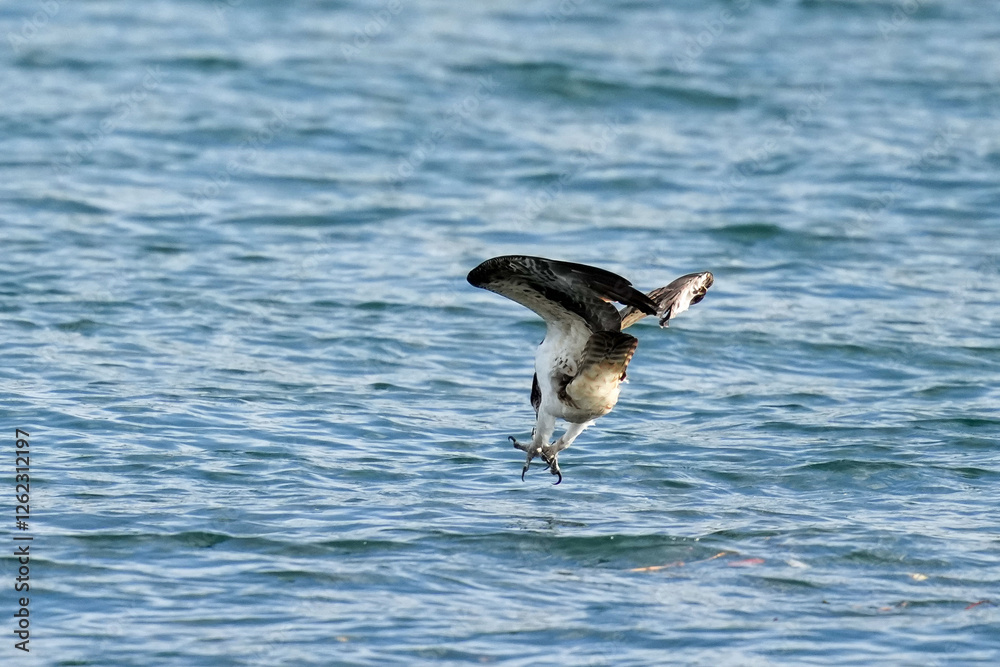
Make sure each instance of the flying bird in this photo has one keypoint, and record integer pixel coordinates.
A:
(581, 363)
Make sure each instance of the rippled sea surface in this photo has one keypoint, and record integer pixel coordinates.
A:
(269, 417)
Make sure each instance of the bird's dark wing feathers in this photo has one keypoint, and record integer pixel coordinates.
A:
(673, 299)
(560, 291)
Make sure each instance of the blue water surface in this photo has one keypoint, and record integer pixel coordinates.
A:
(268, 415)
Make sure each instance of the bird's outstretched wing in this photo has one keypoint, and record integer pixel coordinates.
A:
(673, 299)
(562, 292)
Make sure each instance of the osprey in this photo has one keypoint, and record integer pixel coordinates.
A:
(582, 360)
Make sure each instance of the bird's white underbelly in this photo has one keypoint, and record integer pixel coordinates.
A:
(560, 354)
